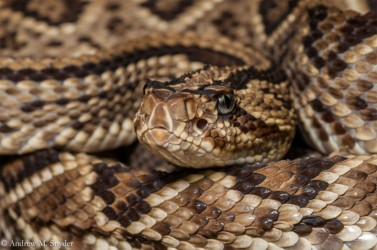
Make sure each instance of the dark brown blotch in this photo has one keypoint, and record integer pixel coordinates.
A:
(4, 72)
(4, 128)
(155, 184)
(302, 80)
(273, 214)
(108, 197)
(334, 226)
(166, 12)
(144, 192)
(366, 31)
(310, 192)
(336, 93)
(198, 206)
(131, 199)
(311, 171)
(280, 9)
(323, 135)
(315, 221)
(338, 128)
(133, 214)
(62, 101)
(368, 114)
(262, 192)
(244, 187)
(212, 212)
(301, 180)
(267, 223)
(255, 178)
(31, 106)
(347, 140)
(220, 143)
(317, 13)
(162, 228)
(31, 164)
(318, 184)
(77, 125)
(124, 221)
(143, 207)
(112, 6)
(311, 52)
(317, 105)
(302, 229)
(356, 103)
(240, 173)
(327, 116)
(109, 212)
(111, 181)
(357, 21)
(364, 85)
(121, 206)
(319, 62)
(336, 66)
(279, 196)
(298, 200)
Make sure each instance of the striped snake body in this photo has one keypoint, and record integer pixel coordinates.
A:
(224, 84)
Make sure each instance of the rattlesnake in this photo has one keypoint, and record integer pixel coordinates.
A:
(224, 82)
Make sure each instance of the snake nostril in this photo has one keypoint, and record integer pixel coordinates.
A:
(201, 123)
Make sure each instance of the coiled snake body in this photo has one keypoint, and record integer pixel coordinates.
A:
(227, 82)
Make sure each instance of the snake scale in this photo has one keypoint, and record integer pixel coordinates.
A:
(224, 84)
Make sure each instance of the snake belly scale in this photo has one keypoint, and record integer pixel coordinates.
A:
(214, 87)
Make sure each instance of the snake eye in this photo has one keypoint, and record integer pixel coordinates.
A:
(226, 103)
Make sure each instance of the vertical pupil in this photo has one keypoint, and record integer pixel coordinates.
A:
(226, 104)
(227, 101)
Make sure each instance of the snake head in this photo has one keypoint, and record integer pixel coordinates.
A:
(216, 117)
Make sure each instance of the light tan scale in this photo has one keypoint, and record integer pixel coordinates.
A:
(225, 84)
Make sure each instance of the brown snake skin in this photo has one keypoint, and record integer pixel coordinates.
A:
(72, 76)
